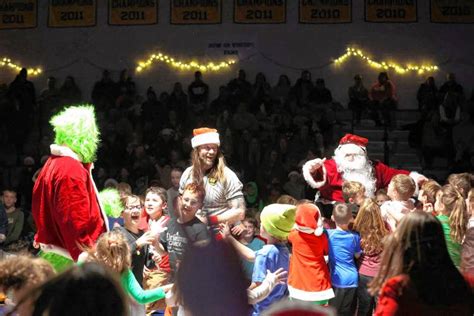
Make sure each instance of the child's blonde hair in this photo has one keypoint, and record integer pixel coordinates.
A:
(112, 250)
(404, 186)
(461, 181)
(350, 189)
(430, 188)
(455, 205)
(286, 199)
(371, 227)
(126, 197)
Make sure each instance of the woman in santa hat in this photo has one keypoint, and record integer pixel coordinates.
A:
(309, 278)
(224, 200)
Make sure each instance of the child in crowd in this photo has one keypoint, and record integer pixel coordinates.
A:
(277, 220)
(344, 248)
(416, 275)
(467, 255)
(451, 209)
(15, 216)
(381, 196)
(253, 201)
(249, 239)
(400, 190)
(462, 182)
(372, 230)
(286, 199)
(113, 251)
(185, 229)
(173, 192)
(153, 219)
(427, 196)
(19, 274)
(309, 278)
(354, 194)
(138, 241)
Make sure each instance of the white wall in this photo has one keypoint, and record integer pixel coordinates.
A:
(293, 44)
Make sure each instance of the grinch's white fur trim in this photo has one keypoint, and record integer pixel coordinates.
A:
(63, 151)
(308, 167)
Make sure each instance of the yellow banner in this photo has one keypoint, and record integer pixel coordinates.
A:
(259, 12)
(72, 13)
(18, 14)
(392, 11)
(323, 11)
(125, 12)
(452, 11)
(196, 12)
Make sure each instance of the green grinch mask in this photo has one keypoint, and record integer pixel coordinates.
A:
(76, 128)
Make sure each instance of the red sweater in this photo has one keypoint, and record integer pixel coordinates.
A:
(65, 205)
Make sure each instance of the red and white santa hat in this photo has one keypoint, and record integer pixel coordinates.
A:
(308, 219)
(205, 135)
(351, 143)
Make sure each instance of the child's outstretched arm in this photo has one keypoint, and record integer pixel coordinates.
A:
(131, 286)
(243, 251)
(260, 292)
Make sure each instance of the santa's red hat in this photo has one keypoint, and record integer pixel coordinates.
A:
(308, 219)
(354, 139)
(205, 135)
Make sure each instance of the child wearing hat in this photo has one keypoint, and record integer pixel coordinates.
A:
(309, 278)
(277, 220)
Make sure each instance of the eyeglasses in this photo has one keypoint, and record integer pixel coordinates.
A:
(134, 207)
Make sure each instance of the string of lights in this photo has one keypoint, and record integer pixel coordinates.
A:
(351, 51)
(6, 62)
(178, 64)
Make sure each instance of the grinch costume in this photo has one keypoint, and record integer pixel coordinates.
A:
(65, 203)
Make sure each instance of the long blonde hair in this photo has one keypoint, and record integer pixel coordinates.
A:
(216, 172)
(112, 250)
(371, 227)
(455, 206)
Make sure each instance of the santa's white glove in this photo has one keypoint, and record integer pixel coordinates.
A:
(312, 166)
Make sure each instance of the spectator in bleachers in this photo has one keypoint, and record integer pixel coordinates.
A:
(48, 102)
(15, 217)
(281, 91)
(126, 83)
(302, 89)
(451, 85)
(320, 95)
(104, 91)
(383, 99)
(240, 89)
(260, 91)
(178, 102)
(198, 92)
(427, 96)
(221, 103)
(70, 92)
(244, 120)
(153, 112)
(358, 98)
(3, 224)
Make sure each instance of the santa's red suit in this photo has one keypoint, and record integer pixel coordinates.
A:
(328, 180)
(65, 206)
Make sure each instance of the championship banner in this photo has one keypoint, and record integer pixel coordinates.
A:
(18, 14)
(124, 12)
(72, 13)
(323, 11)
(259, 12)
(452, 11)
(195, 12)
(391, 11)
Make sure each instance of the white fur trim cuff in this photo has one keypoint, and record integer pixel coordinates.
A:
(206, 138)
(311, 296)
(416, 177)
(307, 174)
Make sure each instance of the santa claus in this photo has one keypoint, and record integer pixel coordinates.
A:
(350, 163)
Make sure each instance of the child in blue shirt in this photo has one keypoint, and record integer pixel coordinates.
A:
(277, 220)
(344, 248)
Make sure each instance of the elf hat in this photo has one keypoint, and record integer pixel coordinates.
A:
(353, 143)
(278, 220)
(205, 135)
(308, 219)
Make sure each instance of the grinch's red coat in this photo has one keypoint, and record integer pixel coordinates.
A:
(332, 188)
(65, 206)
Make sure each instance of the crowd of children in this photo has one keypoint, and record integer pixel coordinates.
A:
(388, 255)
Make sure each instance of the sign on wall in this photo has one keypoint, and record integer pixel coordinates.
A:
(391, 11)
(452, 11)
(321, 11)
(260, 12)
(67, 13)
(133, 12)
(195, 12)
(18, 14)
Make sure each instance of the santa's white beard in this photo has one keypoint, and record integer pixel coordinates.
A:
(360, 170)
